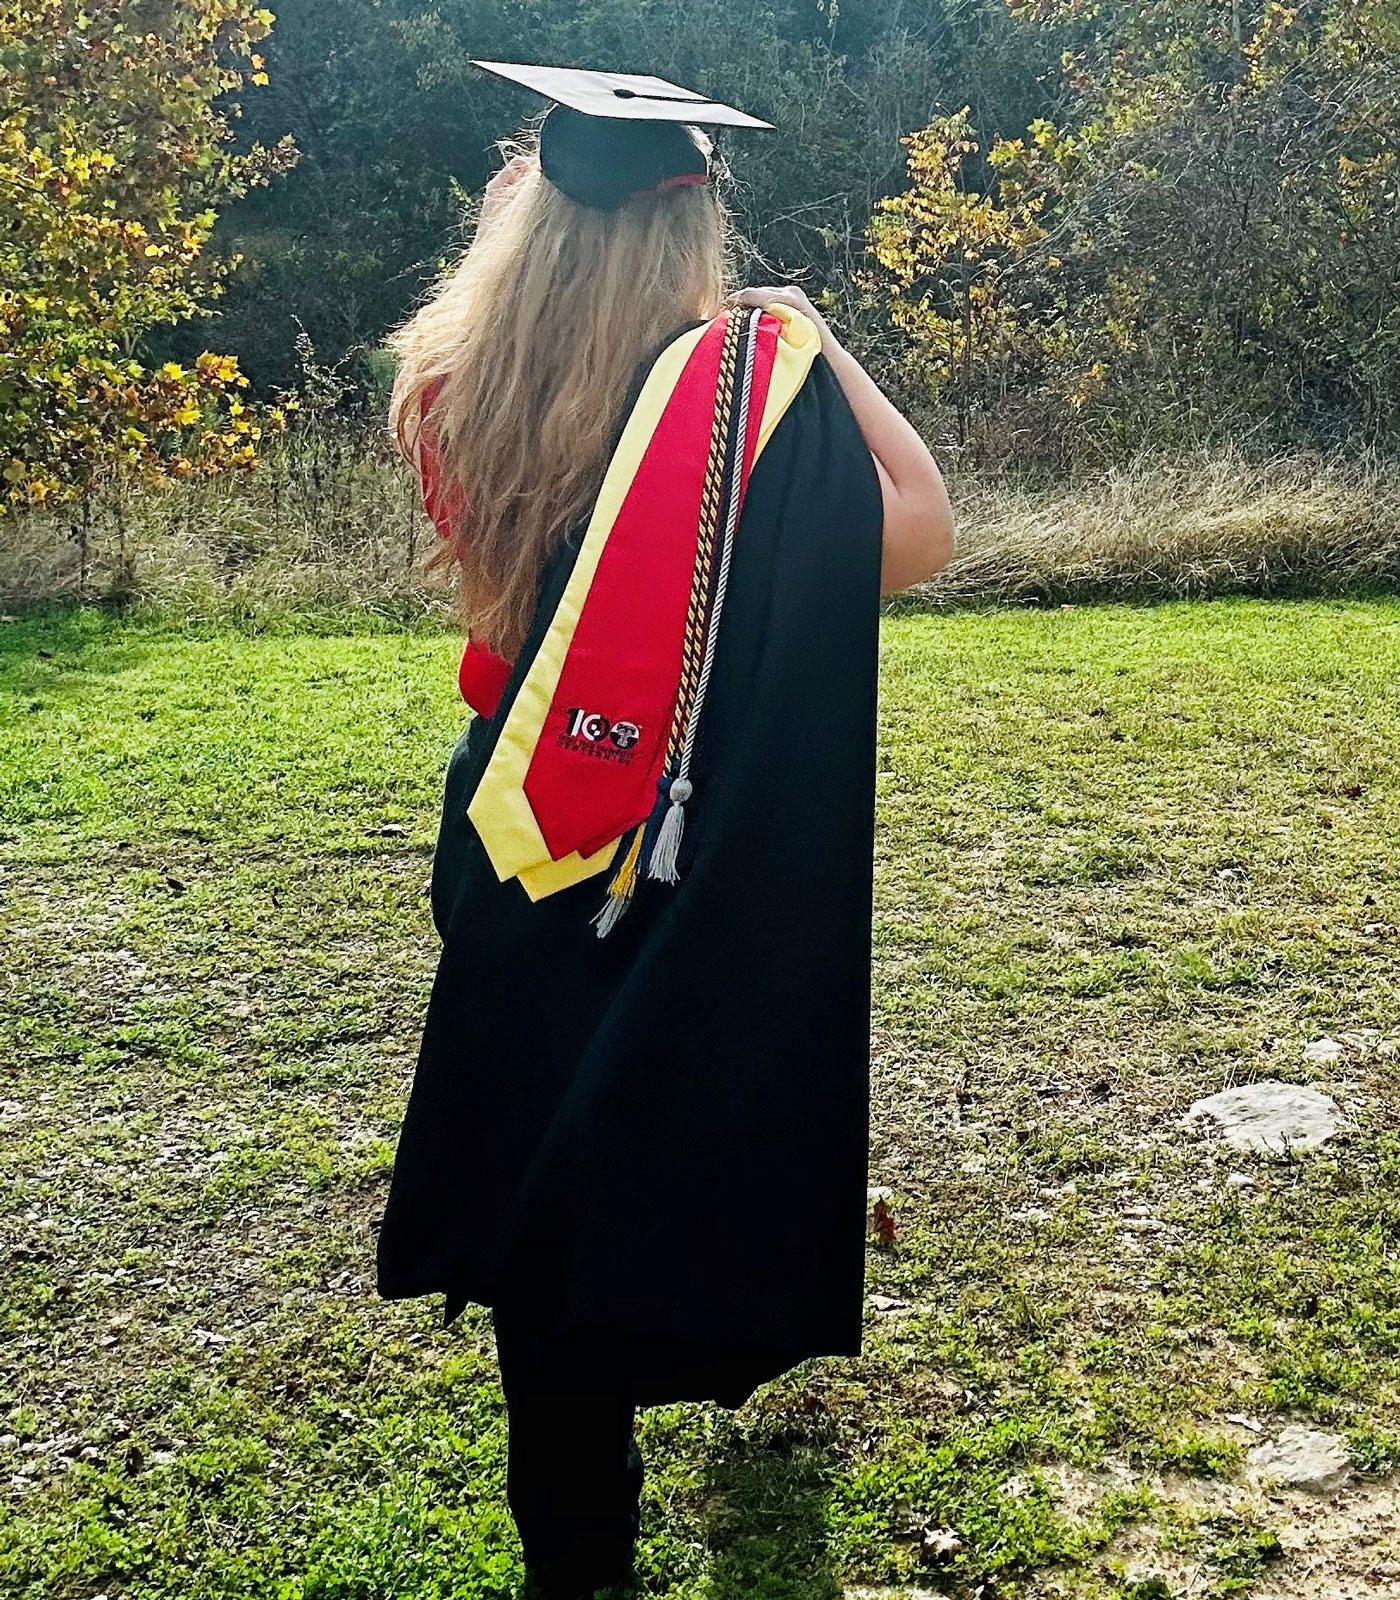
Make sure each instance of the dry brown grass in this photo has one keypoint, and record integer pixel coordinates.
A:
(1210, 524)
(330, 522)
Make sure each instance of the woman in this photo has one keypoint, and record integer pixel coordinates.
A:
(638, 1126)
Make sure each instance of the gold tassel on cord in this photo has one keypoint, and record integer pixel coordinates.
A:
(621, 889)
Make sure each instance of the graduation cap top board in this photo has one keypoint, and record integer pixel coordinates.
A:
(611, 136)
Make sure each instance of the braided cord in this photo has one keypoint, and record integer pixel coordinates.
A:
(731, 523)
(692, 660)
(707, 591)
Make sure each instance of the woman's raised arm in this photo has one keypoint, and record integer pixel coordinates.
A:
(918, 531)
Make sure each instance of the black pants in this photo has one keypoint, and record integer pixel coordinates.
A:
(574, 1476)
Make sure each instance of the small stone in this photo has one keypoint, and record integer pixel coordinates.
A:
(938, 1544)
(1323, 1052)
(888, 1302)
(1239, 1180)
(1271, 1116)
(1304, 1458)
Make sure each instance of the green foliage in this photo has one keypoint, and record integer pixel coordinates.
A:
(112, 159)
(1207, 238)
(397, 130)
(967, 268)
(1147, 226)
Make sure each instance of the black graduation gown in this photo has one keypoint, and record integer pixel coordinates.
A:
(651, 1148)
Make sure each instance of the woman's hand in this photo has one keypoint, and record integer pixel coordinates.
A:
(499, 191)
(788, 295)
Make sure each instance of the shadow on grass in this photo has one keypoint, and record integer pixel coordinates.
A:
(768, 1524)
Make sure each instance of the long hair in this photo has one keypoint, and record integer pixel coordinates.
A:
(534, 338)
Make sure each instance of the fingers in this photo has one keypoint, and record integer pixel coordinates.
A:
(766, 297)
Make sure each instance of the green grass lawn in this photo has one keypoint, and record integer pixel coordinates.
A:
(1126, 857)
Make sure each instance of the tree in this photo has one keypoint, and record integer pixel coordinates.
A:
(396, 127)
(1221, 234)
(113, 155)
(970, 282)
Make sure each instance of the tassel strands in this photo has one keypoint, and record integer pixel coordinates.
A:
(665, 853)
(622, 888)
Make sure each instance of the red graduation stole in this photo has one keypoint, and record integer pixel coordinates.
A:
(602, 722)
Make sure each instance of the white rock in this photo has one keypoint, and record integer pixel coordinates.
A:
(1239, 1180)
(1271, 1116)
(1323, 1051)
(1304, 1458)
(888, 1302)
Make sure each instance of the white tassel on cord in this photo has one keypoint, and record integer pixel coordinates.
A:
(664, 862)
(666, 852)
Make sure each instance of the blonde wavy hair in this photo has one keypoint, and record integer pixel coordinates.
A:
(535, 337)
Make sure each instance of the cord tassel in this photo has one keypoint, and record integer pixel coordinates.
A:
(664, 865)
(620, 890)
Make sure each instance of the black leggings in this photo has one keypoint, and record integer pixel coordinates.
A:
(574, 1477)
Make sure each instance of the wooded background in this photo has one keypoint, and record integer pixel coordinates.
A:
(1150, 220)
(1065, 231)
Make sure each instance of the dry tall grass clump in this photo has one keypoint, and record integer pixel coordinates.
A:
(327, 521)
(1207, 524)
(331, 522)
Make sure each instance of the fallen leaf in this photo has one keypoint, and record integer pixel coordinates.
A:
(888, 1302)
(882, 1223)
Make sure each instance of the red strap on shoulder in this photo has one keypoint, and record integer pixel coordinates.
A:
(482, 675)
(442, 501)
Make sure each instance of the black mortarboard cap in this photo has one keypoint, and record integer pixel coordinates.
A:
(612, 135)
